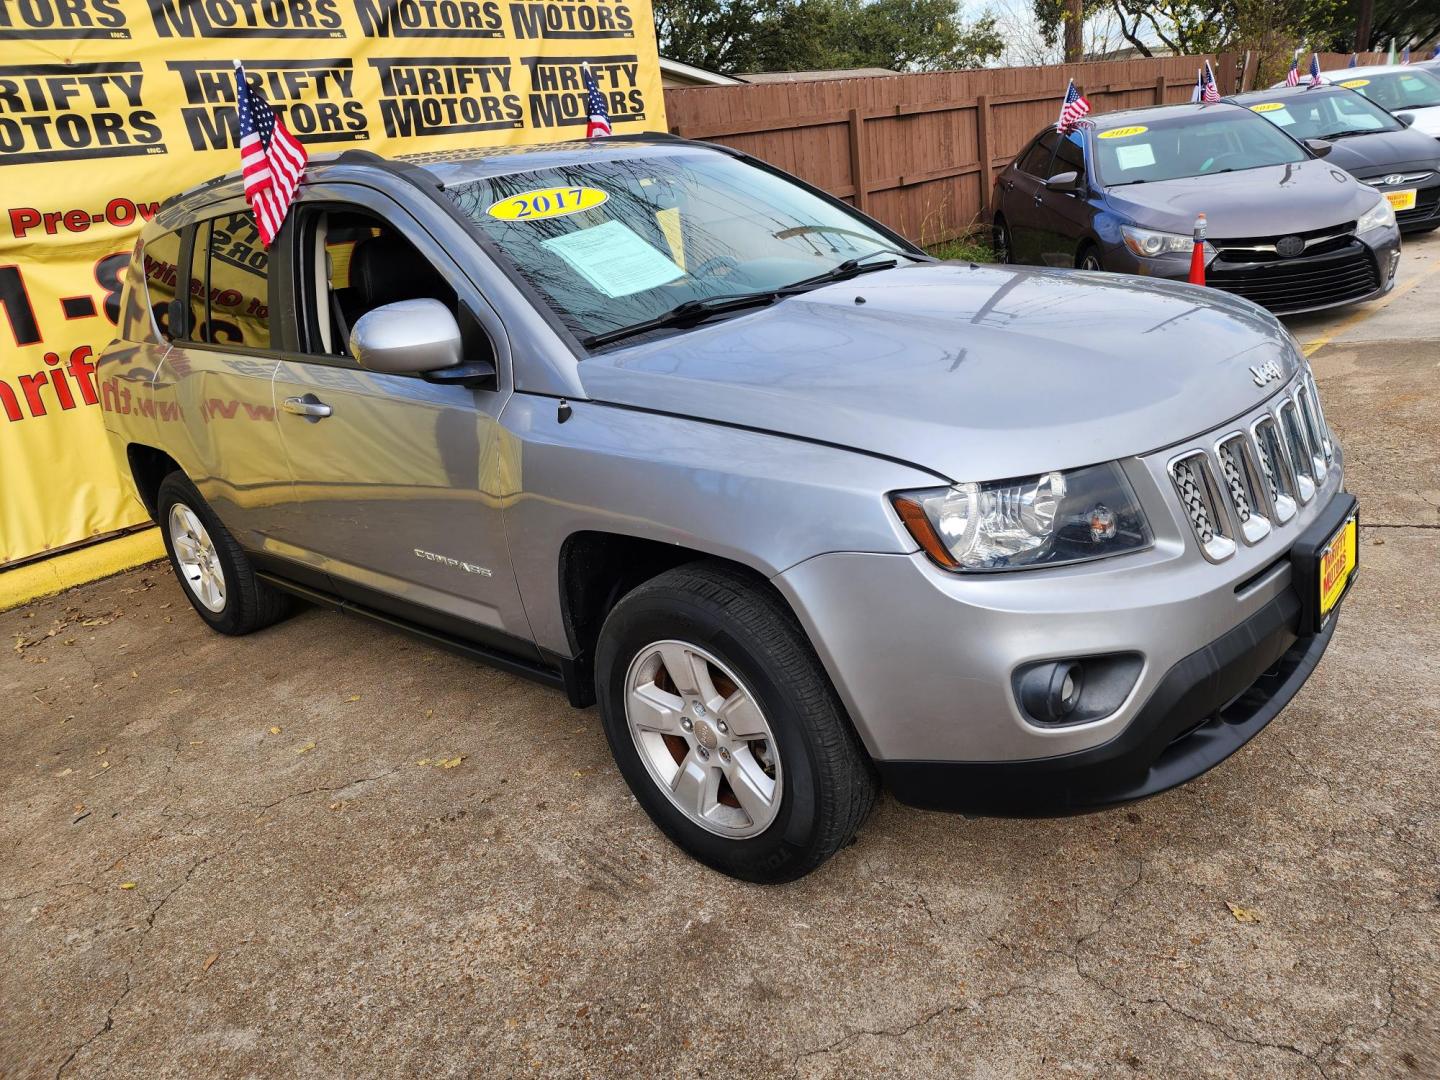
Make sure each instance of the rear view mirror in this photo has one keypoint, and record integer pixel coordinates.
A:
(406, 338)
(1405, 118)
(1319, 147)
(1068, 182)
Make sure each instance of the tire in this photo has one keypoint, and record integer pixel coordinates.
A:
(242, 603)
(821, 782)
(1000, 241)
(1089, 258)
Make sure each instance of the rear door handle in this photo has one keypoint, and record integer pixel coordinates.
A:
(308, 406)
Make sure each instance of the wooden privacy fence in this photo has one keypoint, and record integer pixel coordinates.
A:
(920, 152)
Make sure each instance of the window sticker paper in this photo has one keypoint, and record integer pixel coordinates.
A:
(1134, 157)
(614, 259)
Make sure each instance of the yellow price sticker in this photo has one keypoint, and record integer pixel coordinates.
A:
(1355, 83)
(1268, 106)
(544, 203)
(1123, 132)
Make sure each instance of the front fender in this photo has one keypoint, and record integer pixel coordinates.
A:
(765, 501)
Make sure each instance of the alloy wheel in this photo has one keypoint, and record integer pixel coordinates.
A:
(197, 558)
(703, 738)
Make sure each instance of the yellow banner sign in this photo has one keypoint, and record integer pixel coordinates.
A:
(109, 106)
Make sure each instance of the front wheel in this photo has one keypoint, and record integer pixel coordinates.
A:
(726, 727)
(1089, 258)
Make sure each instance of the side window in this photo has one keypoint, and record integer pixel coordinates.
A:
(1069, 157)
(352, 262)
(234, 298)
(1037, 158)
(160, 259)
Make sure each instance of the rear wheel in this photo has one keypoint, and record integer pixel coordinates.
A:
(1000, 240)
(213, 570)
(726, 727)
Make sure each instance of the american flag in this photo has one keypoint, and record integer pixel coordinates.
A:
(599, 125)
(1073, 109)
(1436, 54)
(1208, 90)
(1405, 56)
(271, 159)
(1314, 69)
(1292, 77)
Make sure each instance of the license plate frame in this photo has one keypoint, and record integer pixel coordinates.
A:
(1403, 199)
(1340, 521)
(1335, 565)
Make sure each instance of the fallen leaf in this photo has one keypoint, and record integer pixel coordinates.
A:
(104, 764)
(275, 731)
(63, 772)
(127, 884)
(102, 752)
(422, 761)
(429, 713)
(176, 690)
(353, 697)
(338, 805)
(450, 763)
(210, 961)
(134, 674)
(305, 749)
(1241, 914)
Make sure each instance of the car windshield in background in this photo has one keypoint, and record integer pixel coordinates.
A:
(1321, 114)
(612, 243)
(1396, 90)
(1191, 144)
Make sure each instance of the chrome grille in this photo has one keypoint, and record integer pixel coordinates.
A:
(1198, 495)
(1248, 482)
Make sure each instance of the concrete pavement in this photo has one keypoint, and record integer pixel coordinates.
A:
(329, 850)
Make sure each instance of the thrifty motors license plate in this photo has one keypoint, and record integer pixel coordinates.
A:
(1337, 563)
(1401, 200)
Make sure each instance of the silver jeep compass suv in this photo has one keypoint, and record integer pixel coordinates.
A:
(802, 509)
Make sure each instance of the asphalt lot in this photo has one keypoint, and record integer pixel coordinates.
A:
(329, 850)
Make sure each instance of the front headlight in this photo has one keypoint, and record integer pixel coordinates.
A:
(1046, 520)
(1379, 216)
(1149, 243)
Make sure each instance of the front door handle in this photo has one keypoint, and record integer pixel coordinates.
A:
(308, 406)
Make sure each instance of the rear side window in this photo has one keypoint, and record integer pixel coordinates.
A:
(160, 259)
(232, 272)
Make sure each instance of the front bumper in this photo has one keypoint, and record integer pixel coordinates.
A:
(930, 689)
(1363, 271)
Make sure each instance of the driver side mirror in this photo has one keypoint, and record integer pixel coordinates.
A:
(1405, 118)
(1319, 147)
(1070, 183)
(416, 337)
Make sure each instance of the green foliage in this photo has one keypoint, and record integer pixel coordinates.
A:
(798, 35)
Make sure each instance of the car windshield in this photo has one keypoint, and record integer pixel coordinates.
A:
(1397, 90)
(1319, 114)
(613, 242)
(1190, 144)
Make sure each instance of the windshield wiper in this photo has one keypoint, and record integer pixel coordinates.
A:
(692, 311)
(1356, 131)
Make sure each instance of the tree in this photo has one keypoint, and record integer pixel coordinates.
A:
(796, 35)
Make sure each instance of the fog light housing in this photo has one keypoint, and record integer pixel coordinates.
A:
(1077, 689)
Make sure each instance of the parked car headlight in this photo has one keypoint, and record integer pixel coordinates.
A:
(1045, 520)
(1379, 216)
(1149, 243)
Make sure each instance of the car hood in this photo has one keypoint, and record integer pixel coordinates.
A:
(1383, 152)
(974, 373)
(1270, 201)
(1427, 120)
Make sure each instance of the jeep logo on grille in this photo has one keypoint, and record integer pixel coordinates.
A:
(1287, 247)
(1267, 372)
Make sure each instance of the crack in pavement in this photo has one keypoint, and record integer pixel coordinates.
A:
(332, 788)
(105, 1027)
(898, 1033)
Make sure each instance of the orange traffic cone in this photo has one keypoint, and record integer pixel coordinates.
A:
(1197, 255)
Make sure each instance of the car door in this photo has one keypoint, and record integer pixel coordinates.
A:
(213, 401)
(1062, 218)
(1021, 190)
(397, 483)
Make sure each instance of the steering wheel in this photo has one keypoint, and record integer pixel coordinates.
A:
(1224, 155)
(726, 263)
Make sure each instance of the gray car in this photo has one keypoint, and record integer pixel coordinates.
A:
(1380, 150)
(1285, 229)
(800, 508)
